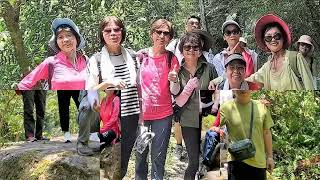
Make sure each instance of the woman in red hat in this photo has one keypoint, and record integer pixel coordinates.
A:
(284, 70)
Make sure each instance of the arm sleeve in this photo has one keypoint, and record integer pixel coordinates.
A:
(115, 113)
(268, 122)
(92, 97)
(305, 72)
(92, 74)
(39, 73)
(223, 113)
(258, 76)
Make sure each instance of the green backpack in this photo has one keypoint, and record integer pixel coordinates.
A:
(293, 64)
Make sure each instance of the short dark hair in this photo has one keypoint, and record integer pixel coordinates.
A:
(194, 17)
(190, 37)
(105, 22)
(65, 27)
(275, 25)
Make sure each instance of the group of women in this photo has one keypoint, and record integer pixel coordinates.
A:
(148, 79)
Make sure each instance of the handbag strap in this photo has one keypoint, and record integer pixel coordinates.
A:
(251, 121)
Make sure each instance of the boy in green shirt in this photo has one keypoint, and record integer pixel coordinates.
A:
(236, 115)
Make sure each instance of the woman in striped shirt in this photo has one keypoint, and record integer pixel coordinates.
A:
(117, 69)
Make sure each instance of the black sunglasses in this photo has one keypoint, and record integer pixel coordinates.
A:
(165, 33)
(276, 37)
(116, 30)
(188, 48)
(234, 32)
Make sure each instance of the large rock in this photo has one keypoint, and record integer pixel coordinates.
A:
(110, 162)
(47, 160)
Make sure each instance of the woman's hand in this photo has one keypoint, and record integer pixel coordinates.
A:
(191, 84)
(270, 164)
(211, 86)
(96, 106)
(120, 84)
(173, 75)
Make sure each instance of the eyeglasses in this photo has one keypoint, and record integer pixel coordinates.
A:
(165, 33)
(276, 37)
(115, 30)
(193, 23)
(188, 48)
(238, 68)
(234, 32)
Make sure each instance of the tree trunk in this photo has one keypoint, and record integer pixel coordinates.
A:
(202, 15)
(10, 15)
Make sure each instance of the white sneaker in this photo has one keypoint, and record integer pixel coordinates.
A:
(94, 137)
(67, 137)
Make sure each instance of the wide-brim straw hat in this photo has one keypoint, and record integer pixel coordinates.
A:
(261, 24)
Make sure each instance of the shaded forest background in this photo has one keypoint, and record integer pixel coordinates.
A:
(25, 31)
(25, 25)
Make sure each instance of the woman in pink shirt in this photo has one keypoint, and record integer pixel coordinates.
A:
(110, 118)
(67, 69)
(158, 67)
(64, 71)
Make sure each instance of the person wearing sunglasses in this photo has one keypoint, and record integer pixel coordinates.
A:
(305, 46)
(194, 75)
(192, 22)
(284, 70)
(157, 67)
(231, 34)
(118, 71)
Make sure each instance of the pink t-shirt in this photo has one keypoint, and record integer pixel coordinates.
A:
(155, 90)
(109, 114)
(64, 75)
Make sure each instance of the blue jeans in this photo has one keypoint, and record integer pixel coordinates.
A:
(159, 146)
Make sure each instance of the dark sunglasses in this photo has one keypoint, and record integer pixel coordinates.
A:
(165, 33)
(234, 32)
(276, 37)
(188, 48)
(116, 30)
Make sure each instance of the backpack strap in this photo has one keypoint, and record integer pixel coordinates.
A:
(292, 55)
(170, 56)
(97, 56)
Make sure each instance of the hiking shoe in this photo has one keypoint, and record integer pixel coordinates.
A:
(43, 139)
(31, 139)
(67, 137)
(94, 137)
(84, 149)
(178, 151)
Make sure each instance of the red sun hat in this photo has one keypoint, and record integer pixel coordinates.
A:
(265, 20)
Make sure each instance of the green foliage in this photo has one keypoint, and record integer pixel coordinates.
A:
(11, 122)
(296, 134)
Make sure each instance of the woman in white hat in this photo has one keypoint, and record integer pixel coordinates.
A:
(306, 48)
(64, 71)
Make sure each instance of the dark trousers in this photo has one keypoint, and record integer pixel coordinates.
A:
(64, 97)
(238, 170)
(159, 146)
(37, 98)
(191, 138)
(129, 125)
